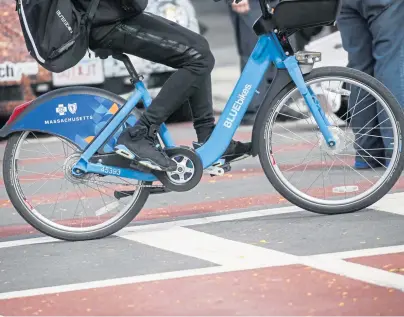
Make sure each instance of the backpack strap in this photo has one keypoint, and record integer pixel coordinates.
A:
(91, 10)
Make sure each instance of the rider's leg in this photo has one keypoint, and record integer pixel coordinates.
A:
(204, 123)
(162, 41)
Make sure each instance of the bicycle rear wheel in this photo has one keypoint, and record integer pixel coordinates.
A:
(334, 190)
(42, 189)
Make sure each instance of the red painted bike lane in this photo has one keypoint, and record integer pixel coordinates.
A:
(286, 291)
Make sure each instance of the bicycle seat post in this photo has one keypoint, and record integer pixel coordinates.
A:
(129, 66)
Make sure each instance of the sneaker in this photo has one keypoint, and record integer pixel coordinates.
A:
(139, 144)
(237, 151)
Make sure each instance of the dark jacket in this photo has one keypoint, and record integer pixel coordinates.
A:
(109, 11)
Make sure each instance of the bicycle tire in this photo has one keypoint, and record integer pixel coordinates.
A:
(365, 202)
(11, 185)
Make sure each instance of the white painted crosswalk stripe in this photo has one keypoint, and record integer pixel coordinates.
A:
(180, 238)
(170, 224)
(391, 203)
(355, 271)
(211, 248)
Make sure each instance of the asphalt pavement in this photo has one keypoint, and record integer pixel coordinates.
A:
(230, 246)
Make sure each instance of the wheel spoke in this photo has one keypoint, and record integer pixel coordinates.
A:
(72, 205)
(316, 173)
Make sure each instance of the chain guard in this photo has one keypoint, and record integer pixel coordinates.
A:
(167, 183)
(169, 180)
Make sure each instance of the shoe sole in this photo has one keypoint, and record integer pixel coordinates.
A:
(126, 153)
(243, 157)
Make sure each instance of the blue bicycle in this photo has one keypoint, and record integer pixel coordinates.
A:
(82, 124)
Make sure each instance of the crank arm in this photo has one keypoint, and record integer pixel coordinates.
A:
(153, 191)
(159, 190)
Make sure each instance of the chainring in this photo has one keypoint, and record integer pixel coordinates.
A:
(189, 170)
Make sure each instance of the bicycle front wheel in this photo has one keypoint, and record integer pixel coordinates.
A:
(38, 180)
(362, 168)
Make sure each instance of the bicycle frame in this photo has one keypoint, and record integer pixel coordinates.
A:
(267, 50)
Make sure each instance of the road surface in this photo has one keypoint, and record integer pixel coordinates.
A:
(231, 246)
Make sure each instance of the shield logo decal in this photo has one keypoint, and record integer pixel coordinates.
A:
(72, 107)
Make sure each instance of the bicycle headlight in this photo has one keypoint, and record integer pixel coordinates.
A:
(173, 12)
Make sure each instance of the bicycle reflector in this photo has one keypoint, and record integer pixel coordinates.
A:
(17, 111)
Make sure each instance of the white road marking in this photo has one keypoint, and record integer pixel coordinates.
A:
(114, 282)
(326, 263)
(212, 219)
(230, 255)
(364, 252)
(355, 271)
(390, 203)
(24, 242)
(170, 224)
(227, 253)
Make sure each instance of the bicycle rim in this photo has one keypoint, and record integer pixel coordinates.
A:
(342, 188)
(69, 194)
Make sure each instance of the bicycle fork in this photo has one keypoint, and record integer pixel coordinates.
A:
(312, 102)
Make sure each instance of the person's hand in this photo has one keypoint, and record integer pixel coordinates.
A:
(241, 7)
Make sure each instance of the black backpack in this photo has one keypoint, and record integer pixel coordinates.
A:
(56, 32)
(136, 6)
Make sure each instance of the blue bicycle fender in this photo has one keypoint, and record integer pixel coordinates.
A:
(77, 114)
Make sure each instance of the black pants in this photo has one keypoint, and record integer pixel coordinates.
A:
(159, 40)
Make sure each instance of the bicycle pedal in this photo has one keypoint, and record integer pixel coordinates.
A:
(159, 190)
(218, 169)
(122, 194)
(226, 168)
(123, 151)
(153, 191)
(214, 171)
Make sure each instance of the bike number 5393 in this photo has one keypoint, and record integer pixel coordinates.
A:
(110, 170)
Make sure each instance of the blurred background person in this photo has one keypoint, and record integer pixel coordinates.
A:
(372, 34)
